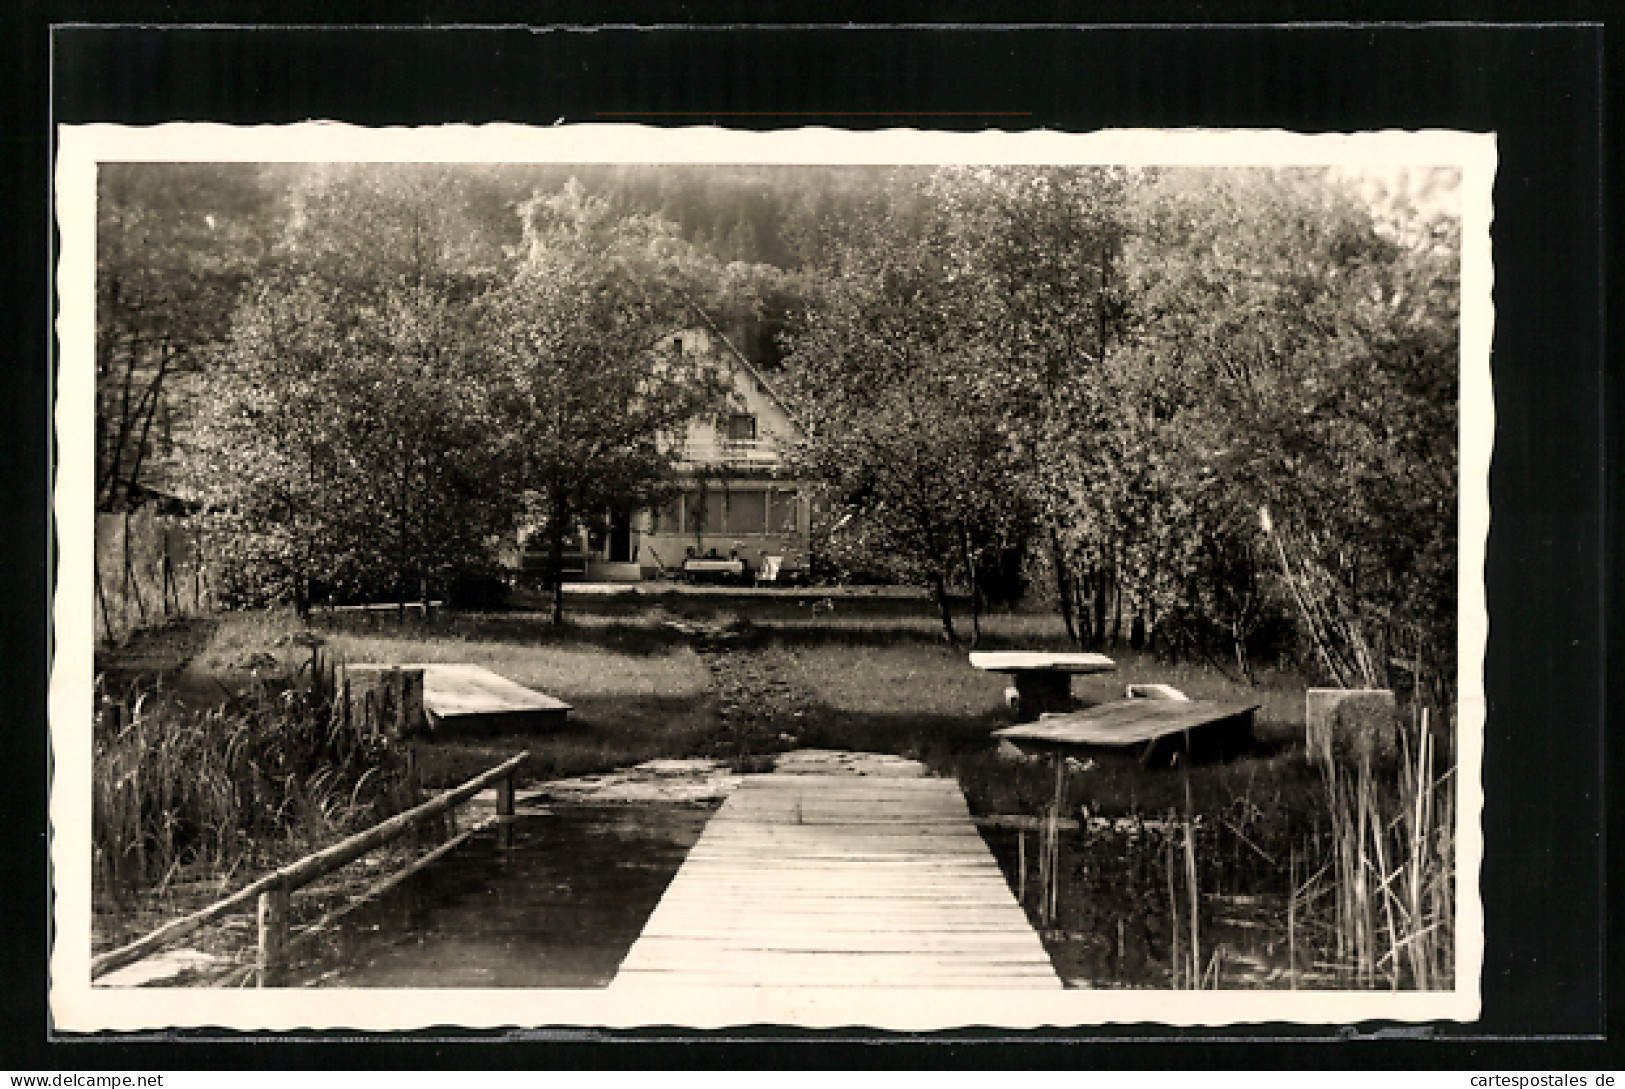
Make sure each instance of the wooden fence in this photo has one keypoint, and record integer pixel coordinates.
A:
(273, 891)
(149, 568)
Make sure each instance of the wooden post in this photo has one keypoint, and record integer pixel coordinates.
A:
(1042, 691)
(505, 812)
(390, 700)
(1021, 866)
(397, 691)
(273, 920)
(1055, 835)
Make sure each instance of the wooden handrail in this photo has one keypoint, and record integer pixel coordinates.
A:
(310, 868)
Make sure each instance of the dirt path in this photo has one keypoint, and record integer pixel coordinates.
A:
(761, 710)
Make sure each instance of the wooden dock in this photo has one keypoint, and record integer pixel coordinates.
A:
(459, 696)
(1141, 723)
(839, 880)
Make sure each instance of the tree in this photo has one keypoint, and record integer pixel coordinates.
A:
(589, 398)
(1309, 355)
(902, 409)
(1150, 359)
(348, 442)
(1042, 245)
(175, 246)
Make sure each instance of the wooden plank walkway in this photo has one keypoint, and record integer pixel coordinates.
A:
(839, 880)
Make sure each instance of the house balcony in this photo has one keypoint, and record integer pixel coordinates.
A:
(755, 455)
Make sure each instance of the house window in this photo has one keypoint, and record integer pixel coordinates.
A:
(747, 512)
(782, 518)
(741, 427)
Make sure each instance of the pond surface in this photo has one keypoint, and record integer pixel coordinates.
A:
(1114, 922)
(564, 903)
(559, 908)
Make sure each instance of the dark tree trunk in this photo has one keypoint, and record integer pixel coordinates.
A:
(555, 554)
(939, 591)
(1063, 585)
(975, 589)
(147, 409)
(1100, 608)
(1117, 612)
(101, 600)
(1080, 605)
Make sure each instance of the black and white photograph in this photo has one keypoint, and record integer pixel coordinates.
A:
(607, 575)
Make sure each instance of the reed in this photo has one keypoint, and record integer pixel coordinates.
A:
(1390, 874)
(181, 791)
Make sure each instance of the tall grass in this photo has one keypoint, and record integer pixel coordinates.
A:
(202, 793)
(1383, 902)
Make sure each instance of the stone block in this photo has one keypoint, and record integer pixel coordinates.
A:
(1348, 723)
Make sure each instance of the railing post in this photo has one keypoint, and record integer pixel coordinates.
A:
(273, 920)
(505, 811)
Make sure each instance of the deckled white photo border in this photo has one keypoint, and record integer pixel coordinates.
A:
(76, 1006)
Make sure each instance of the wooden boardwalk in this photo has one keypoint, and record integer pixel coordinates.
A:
(839, 880)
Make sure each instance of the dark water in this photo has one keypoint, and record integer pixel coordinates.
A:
(559, 908)
(1114, 924)
(563, 904)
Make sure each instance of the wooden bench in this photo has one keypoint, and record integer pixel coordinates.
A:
(699, 569)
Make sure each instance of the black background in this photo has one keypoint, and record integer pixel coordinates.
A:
(1540, 88)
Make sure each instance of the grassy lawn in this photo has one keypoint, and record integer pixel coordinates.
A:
(873, 673)
(570, 671)
(902, 679)
(875, 679)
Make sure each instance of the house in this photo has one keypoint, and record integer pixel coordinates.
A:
(735, 496)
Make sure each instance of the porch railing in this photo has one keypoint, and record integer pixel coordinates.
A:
(730, 453)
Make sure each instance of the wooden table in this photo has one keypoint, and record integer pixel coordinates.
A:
(1043, 679)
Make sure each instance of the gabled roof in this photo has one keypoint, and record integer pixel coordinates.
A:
(750, 369)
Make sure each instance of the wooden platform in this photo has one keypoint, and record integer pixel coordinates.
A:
(1131, 722)
(459, 696)
(839, 880)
